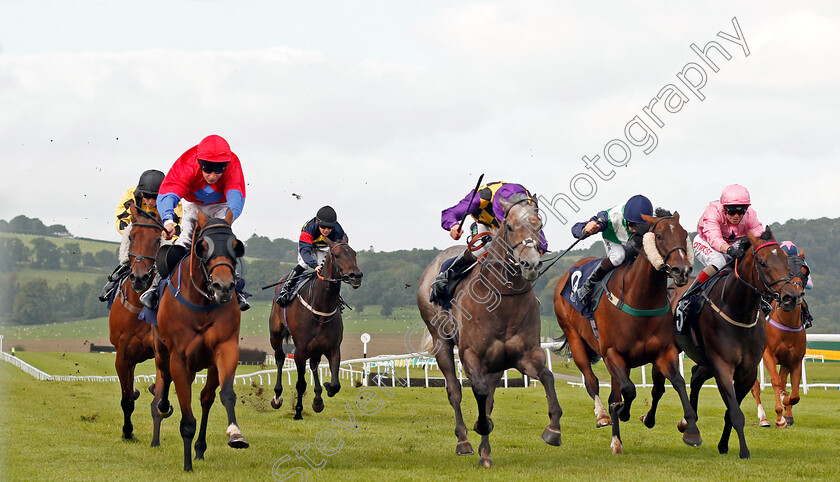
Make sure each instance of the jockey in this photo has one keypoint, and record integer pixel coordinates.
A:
(312, 248)
(790, 248)
(722, 225)
(144, 196)
(621, 228)
(208, 178)
(486, 209)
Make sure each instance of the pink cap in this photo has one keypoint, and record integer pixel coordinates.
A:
(735, 194)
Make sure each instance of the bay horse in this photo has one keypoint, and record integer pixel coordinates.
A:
(494, 321)
(313, 320)
(131, 336)
(732, 338)
(198, 328)
(786, 344)
(635, 328)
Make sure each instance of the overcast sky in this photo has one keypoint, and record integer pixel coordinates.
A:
(389, 111)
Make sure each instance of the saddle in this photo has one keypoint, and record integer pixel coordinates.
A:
(302, 280)
(686, 328)
(453, 277)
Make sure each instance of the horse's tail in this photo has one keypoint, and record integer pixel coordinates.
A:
(564, 351)
(427, 343)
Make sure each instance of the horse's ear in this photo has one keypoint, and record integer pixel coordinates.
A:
(505, 205)
(202, 219)
(229, 217)
(238, 248)
(330, 242)
(648, 219)
(677, 216)
(802, 253)
(132, 208)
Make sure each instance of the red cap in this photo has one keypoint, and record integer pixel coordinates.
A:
(214, 149)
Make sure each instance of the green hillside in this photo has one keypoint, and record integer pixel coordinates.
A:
(39, 274)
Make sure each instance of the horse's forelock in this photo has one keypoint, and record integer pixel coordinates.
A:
(662, 213)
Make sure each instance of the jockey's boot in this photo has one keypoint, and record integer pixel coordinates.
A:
(585, 291)
(807, 319)
(285, 294)
(149, 298)
(113, 280)
(765, 306)
(701, 278)
(441, 283)
(243, 303)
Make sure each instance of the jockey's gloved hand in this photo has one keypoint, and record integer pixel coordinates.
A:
(736, 251)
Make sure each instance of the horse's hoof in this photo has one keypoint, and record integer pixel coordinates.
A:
(789, 420)
(152, 388)
(781, 424)
(298, 416)
(616, 446)
(332, 389)
(199, 456)
(723, 449)
(485, 462)
(745, 454)
(155, 443)
(692, 439)
(603, 422)
(167, 413)
(464, 448)
(136, 394)
(764, 423)
(129, 436)
(551, 436)
(648, 421)
(276, 403)
(237, 441)
(682, 425)
(318, 406)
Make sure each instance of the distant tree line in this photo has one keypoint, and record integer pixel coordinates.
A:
(390, 278)
(24, 225)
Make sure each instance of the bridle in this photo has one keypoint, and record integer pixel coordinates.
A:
(346, 278)
(768, 287)
(150, 267)
(208, 270)
(665, 267)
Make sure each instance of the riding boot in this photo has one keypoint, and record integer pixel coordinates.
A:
(597, 275)
(807, 319)
(243, 302)
(454, 271)
(113, 280)
(149, 298)
(285, 295)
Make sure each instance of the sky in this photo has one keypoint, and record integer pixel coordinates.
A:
(389, 111)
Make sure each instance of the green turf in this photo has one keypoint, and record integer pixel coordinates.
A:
(54, 277)
(70, 431)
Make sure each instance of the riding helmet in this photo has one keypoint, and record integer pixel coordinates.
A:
(326, 217)
(635, 207)
(735, 194)
(213, 149)
(149, 182)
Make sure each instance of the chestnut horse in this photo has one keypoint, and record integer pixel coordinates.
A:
(313, 320)
(130, 336)
(786, 345)
(635, 328)
(494, 320)
(732, 338)
(198, 328)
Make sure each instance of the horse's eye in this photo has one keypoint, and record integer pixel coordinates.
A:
(658, 236)
(131, 237)
(762, 263)
(508, 228)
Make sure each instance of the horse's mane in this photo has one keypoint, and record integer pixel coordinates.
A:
(662, 213)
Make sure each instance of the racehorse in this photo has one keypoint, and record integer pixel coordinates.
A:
(731, 337)
(634, 328)
(313, 320)
(198, 327)
(130, 336)
(494, 320)
(786, 345)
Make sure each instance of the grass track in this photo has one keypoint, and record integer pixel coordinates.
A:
(70, 431)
